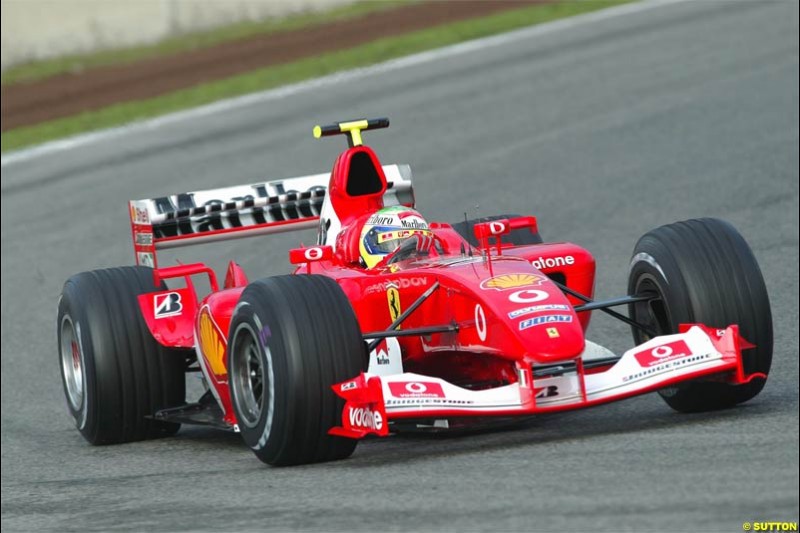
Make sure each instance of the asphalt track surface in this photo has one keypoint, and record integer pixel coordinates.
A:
(603, 131)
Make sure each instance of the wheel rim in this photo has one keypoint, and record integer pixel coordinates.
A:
(249, 378)
(72, 363)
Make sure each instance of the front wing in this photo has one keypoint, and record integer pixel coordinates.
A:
(371, 402)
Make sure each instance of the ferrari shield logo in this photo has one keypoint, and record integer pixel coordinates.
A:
(552, 333)
(393, 298)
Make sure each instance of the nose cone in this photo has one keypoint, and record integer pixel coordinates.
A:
(519, 312)
(535, 310)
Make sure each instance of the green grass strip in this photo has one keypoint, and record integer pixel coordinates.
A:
(266, 78)
(38, 70)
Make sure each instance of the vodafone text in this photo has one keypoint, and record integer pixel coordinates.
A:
(553, 262)
(364, 417)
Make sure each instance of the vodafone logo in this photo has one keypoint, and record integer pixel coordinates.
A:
(310, 255)
(480, 322)
(313, 254)
(364, 417)
(553, 262)
(416, 389)
(497, 228)
(663, 353)
(527, 296)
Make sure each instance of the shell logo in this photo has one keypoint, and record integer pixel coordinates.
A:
(511, 281)
(212, 343)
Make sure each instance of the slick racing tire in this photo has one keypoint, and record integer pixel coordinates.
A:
(291, 339)
(703, 271)
(115, 375)
(517, 237)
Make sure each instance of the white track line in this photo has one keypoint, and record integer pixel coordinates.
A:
(85, 139)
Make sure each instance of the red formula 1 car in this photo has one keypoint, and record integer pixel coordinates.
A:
(391, 323)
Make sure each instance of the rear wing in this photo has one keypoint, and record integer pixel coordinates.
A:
(242, 211)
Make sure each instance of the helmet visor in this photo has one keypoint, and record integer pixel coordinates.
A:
(388, 240)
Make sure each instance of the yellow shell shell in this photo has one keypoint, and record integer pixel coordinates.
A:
(212, 344)
(511, 281)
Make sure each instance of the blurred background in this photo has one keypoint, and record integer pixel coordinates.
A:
(43, 29)
(71, 66)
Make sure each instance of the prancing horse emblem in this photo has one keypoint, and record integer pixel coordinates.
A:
(393, 297)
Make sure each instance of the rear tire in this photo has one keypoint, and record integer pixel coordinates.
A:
(115, 374)
(703, 271)
(291, 339)
(517, 237)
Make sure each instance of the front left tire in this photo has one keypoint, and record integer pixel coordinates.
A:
(291, 339)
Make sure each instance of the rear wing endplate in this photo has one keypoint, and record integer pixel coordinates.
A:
(242, 211)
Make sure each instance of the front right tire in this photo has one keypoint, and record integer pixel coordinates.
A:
(703, 271)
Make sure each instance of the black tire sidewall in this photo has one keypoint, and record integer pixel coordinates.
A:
(251, 318)
(85, 417)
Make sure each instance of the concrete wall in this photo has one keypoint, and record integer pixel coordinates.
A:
(38, 29)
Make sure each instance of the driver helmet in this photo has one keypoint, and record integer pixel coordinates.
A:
(384, 231)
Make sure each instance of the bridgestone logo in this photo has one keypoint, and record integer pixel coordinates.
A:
(364, 417)
(552, 262)
(168, 304)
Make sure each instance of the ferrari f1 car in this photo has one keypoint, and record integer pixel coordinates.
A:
(390, 323)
